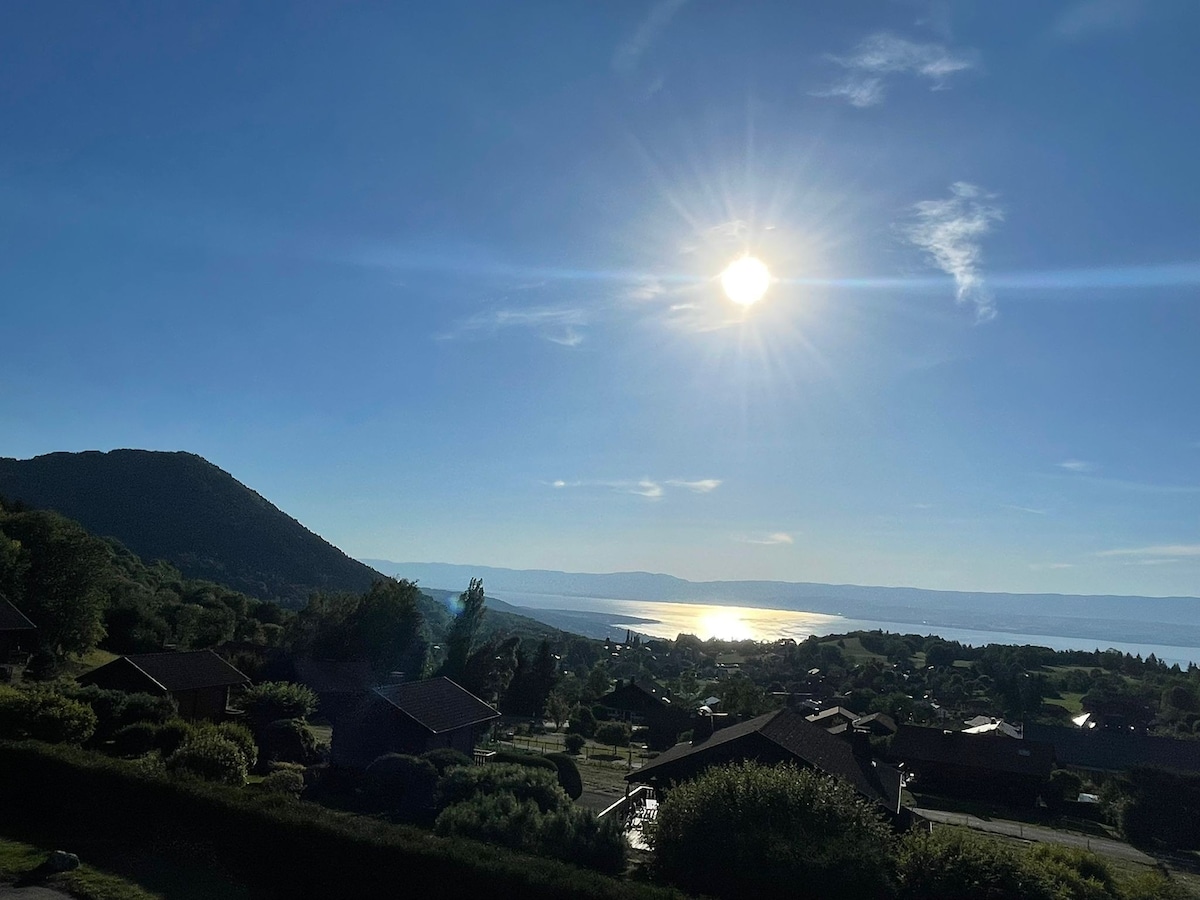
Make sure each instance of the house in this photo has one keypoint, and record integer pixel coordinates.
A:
(876, 724)
(778, 737)
(17, 633)
(1110, 750)
(410, 718)
(836, 719)
(198, 680)
(985, 766)
(637, 701)
(641, 701)
(986, 725)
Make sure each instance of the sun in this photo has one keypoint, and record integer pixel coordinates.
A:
(745, 280)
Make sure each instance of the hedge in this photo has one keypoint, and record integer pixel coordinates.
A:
(276, 846)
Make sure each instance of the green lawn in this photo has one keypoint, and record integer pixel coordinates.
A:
(1070, 702)
(87, 883)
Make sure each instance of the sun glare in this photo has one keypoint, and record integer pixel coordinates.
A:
(745, 280)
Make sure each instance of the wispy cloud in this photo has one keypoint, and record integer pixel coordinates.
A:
(1161, 551)
(882, 56)
(630, 51)
(1077, 465)
(559, 325)
(1044, 567)
(1033, 511)
(1089, 17)
(951, 231)
(643, 487)
(772, 539)
(703, 486)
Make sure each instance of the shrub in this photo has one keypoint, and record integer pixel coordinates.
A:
(747, 830)
(517, 758)
(569, 833)
(401, 784)
(211, 757)
(613, 733)
(952, 865)
(147, 708)
(568, 774)
(45, 715)
(172, 734)
(574, 743)
(136, 739)
(240, 737)
(524, 783)
(445, 757)
(582, 721)
(284, 781)
(274, 700)
(287, 740)
(1063, 786)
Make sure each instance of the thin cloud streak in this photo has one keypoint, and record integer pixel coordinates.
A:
(630, 51)
(643, 487)
(774, 539)
(1077, 465)
(882, 55)
(950, 231)
(559, 325)
(1163, 551)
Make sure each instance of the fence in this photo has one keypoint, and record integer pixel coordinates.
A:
(626, 758)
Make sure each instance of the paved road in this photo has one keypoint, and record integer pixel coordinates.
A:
(1106, 846)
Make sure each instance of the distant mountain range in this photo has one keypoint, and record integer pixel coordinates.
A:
(1164, 620)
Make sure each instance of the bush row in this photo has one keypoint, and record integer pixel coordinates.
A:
(277, 847)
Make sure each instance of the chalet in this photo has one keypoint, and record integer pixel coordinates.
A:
(637, 701)
(17, 633)
(836, 717)
(778, 737)
(986, 766)
(641, 701)
(1110, 750)
(199, 680)
(410, 718)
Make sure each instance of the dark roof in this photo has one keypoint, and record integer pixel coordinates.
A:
(437, 704)
(1113, 750)
(826, 716)
(636, 695)
(175, 671)
(803, 740)
(991, 752)
(12, 619)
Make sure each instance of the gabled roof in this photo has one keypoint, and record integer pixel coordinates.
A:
(174, 671)
(827, 717)
(808, 743)
(12, 619)
(1115, 750)
(636, 694)
(437, 704)
(991, 752)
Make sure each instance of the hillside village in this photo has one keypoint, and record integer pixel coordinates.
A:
(391, 707)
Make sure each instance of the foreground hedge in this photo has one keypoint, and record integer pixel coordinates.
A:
(275, 845)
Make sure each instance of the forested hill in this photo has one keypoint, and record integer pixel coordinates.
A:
(181, 508)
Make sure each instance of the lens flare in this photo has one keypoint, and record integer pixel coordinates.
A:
(746, 280)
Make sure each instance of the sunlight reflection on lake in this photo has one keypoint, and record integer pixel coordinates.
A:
(668, 620)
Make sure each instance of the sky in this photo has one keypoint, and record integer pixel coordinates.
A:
(442, 281)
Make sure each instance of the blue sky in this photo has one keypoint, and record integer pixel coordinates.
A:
(441, 281)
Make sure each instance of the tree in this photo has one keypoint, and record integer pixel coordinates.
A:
(65, 582)
(463, 630)
(273, 700)
(747, 830)
(209, 756)
(614, 733)
(558, 707)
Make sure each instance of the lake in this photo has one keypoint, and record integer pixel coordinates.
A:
(666, 620)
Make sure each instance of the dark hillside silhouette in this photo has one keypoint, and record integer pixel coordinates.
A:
(181, 508)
